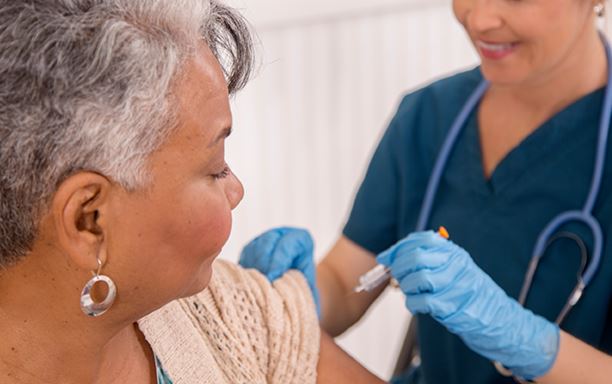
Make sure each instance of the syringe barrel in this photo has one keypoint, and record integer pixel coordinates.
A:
(373, 278)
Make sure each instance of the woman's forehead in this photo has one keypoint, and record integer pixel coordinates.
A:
(203, 97)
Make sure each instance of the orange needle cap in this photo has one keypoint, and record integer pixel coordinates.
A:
(443, 232)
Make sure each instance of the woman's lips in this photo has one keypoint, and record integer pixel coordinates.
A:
(495, 51)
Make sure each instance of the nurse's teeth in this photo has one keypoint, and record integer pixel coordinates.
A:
(495, 47)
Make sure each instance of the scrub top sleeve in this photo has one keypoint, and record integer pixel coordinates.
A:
(372, 223)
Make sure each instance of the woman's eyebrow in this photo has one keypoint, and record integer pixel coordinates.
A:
(222, 135)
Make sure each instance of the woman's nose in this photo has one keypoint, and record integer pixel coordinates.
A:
(483, 16)
(234, 190)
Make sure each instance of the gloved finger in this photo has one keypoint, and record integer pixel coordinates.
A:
(425, 240)
(419, 303)
(452, 295)
(262, 244)
(428, 281)
(443, 277)
(430, 303)
(259, 248)
(300, 242)
(425, 237)
(418, 259)
(417, 240)
(417, 283)
(388, 256)
(294, 250)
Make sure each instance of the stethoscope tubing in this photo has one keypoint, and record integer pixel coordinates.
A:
(585, 215)
(573, 216)
(445, 152)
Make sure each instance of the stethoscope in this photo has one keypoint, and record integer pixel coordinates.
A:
(548, 235)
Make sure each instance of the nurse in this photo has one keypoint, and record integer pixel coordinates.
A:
(525, 154)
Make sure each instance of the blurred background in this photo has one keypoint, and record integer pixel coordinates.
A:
(330, 75)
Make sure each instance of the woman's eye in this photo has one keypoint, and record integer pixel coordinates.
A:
(223, 174)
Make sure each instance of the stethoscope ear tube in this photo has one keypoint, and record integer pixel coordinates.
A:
(580, 284)
(588, 268)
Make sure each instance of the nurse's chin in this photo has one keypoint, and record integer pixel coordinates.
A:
(503, 75)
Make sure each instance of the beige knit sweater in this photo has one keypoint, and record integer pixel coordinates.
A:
(240, 329)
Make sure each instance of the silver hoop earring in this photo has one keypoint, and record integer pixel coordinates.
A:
(88, 305)
(600, 9)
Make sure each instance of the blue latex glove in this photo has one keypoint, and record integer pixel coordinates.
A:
(441, 279)
(280, 249)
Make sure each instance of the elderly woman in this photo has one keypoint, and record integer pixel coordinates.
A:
(114, 190)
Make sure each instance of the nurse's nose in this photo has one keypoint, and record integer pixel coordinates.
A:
(484, 16)
(234, 190)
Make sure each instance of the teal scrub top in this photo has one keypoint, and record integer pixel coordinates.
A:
(497, 220)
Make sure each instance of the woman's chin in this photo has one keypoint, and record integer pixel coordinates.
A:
(201, 280)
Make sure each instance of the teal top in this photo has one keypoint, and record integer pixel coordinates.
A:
(497, 219)
(162, 376)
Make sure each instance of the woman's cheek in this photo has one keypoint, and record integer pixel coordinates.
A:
(210, 225)
(216, 232)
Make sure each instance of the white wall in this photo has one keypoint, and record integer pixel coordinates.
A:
(268, 13)
(331, 75)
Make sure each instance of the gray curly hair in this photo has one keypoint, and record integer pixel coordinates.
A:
(85, 85)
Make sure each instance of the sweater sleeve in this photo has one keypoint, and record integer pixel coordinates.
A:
(258, 332)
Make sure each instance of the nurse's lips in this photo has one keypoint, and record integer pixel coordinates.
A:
(495, 51)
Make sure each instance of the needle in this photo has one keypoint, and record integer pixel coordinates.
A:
(379, 274)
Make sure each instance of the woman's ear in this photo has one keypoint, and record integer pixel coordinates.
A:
(79, 208)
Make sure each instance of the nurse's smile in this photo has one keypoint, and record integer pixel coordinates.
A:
(495, 51)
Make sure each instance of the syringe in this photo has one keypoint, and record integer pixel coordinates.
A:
(379, 274)
(373, 278)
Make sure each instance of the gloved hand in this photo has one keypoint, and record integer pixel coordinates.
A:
(441, 279)
(280, 249)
